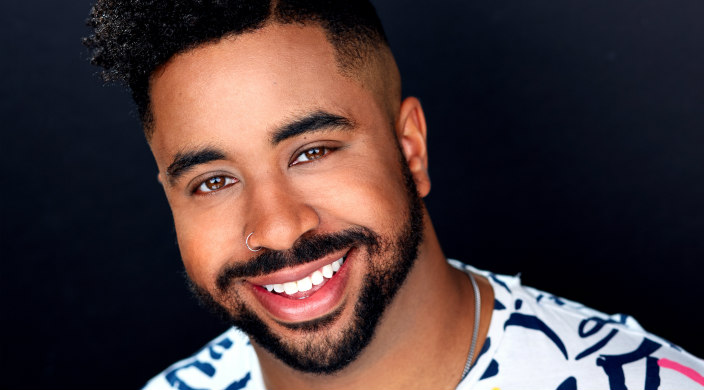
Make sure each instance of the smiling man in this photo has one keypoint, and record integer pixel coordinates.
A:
(295, 172)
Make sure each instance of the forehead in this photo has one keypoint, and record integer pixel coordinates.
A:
(248, 84)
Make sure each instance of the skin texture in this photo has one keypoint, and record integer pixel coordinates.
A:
(232, 95)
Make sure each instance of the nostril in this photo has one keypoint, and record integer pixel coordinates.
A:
(278, 215)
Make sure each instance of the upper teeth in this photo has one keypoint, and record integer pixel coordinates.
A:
(316, 278)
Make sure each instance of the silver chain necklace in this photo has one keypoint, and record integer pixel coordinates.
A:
(475, 327)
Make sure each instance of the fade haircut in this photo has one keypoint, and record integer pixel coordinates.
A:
(133, 38)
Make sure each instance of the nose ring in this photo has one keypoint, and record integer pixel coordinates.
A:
(246, 243)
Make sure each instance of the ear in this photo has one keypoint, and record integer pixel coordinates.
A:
(411, 132)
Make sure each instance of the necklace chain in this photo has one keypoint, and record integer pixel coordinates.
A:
(475, 326)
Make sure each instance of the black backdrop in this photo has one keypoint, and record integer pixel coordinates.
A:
(565, 141)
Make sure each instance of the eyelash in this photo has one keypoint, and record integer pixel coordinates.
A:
(201, 188)
(326, 151)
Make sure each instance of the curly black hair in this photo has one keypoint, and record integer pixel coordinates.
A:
(132, 38)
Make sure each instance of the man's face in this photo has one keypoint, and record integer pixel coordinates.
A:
(261, 134)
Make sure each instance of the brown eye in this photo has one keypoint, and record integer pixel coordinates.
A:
(214, 183)
(311, 154)
(314, 153)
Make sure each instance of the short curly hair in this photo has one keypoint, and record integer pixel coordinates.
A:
(132, 38)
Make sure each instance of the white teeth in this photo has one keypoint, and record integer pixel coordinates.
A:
(304, 284)
(290, 288)
(317, 278)
(327, 271)
(335, 265)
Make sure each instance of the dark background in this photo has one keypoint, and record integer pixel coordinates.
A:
(565, 140)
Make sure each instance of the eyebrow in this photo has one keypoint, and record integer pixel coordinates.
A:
(185, 161)
(314, 122)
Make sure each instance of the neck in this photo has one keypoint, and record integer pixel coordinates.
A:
(426, 331)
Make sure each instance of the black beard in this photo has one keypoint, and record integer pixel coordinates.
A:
(320, 353)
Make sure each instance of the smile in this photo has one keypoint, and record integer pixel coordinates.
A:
(314, 290)
(311, 282)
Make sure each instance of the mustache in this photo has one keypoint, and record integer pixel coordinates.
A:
(304, 250)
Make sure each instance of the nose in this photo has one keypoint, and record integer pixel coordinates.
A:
(278, 215)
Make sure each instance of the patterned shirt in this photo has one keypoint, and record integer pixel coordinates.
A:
(535, 340)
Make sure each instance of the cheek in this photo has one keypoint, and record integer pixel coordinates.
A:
(369, 193)
(206, 239)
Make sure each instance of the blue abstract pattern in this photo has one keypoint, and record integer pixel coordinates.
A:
(600, 344)
(544, 341)
(206, 368)
(568, 384)
(652, 374)
(533, 322)
(239, 384)
(492, 370)
(176, 383)
(613, 364)
(227, 363)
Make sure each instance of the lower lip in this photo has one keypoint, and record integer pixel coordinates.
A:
(321, 302)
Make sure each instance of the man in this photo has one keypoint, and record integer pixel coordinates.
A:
(295, 172)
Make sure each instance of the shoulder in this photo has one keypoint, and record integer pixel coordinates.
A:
(537, 339)
(227, 362)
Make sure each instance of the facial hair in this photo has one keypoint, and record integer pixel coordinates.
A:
(320, 352)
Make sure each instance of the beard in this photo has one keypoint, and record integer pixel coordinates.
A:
(319, 350)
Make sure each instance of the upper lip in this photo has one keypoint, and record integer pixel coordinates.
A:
(299, 272)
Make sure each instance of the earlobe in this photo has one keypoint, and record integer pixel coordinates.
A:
(412, 133)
